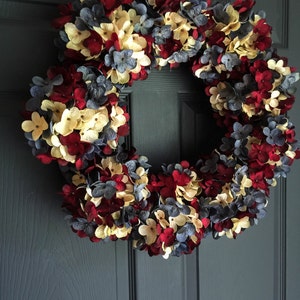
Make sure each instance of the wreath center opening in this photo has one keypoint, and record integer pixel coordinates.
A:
(171, 117)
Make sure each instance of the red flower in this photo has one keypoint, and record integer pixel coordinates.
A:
(118, 179)
(171, 46)
(264, 80)
(142, 75)
(71, 196)
(113, 42)
(258, 65)
(74, 55)
(286, 104)
(181, 179)
(123, 130)
(111, 5)
(164, 6)
(224, 173)
(79, 97)
(290, 136)
(167, 237)
(217, 38)
(113, 99)
(260, 153)
(258, 181)
(91, 211)
(243, 5)
(212, 188)
(45, 158)
(73, 143)
(71, 80)
(205, 222)
(164, 185)
(223, 225)
(263, 42)
(262, 28)
(256, 98)
(65, 11)
(93, 43)
(155, 249)
(109, 206)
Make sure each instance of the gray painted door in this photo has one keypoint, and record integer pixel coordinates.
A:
(40, 258)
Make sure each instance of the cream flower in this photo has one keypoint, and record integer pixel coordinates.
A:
(75, 36)
(89, 135)
(117, 77)
(179, 26)
(226, 189)
(272, 103)
(189, 191)
(217, 102)
(221, 199)
(245, 46)
(179, 220)
(278, 67)
(56, 107)
(197, 222)
(134, 18)
(36, 125)
(69, 121)
(249, 109)
(143, 176)
(105, 30)
(85, 116)
(104, 231)
(111, 164)
(233, 24)
(161, 218)
(205, 68)
(246, 183)
(60, 151)
(128, 194)
(78, 179)
(117, 118)
(149, 231)
(142, 60)
(99, 120)
(135, 42)
(121, 232)
(239, 224)
(123, 29)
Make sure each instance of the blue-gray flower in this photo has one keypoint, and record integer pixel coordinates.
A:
(194, 12)
(230, 60)
(91, 17)
(241, 131)
(120, 60)
(161, 34)
(274, 136)
(104, 189)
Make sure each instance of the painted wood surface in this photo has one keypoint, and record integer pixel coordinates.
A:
(40, 258)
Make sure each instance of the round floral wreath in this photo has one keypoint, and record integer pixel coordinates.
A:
(77, 118)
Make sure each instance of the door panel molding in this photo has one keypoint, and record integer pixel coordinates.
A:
(284, 40)
(132, 280)
(280, 224)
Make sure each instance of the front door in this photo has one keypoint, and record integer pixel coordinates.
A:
(40, 258)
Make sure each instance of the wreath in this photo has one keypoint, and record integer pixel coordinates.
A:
(77, 117)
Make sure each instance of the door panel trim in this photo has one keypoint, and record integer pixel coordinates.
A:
(280, 256)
